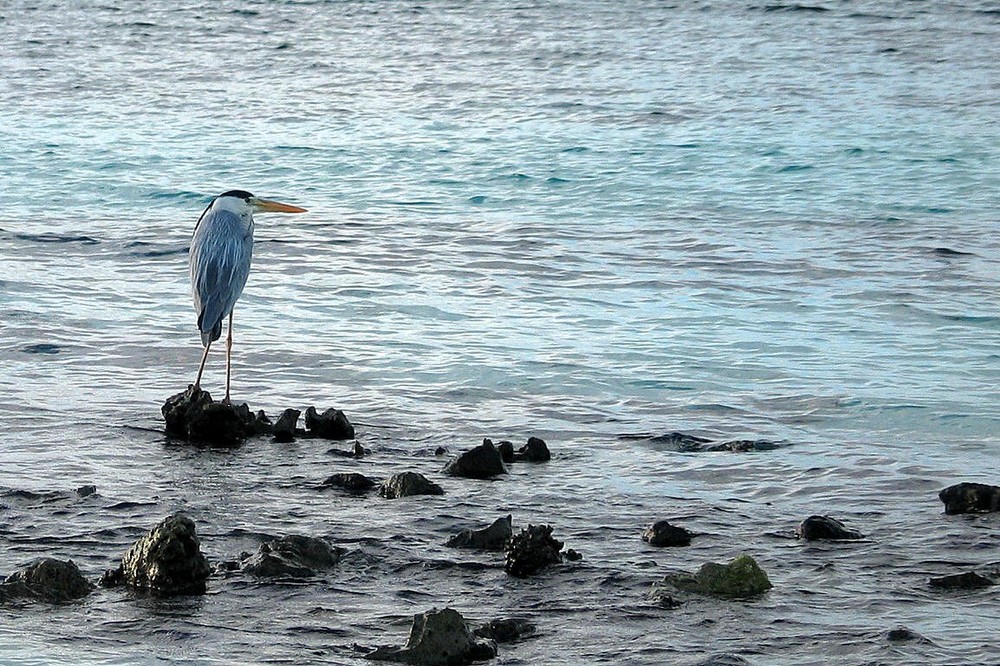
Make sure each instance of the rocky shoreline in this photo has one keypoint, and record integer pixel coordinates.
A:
(168, 560)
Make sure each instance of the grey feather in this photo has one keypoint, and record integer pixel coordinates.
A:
(221, 251)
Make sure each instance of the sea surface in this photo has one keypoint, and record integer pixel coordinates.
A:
(592, 222)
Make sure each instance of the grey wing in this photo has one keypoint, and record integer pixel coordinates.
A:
(220, 255)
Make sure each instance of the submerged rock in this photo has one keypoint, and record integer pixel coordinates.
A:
(662, 533)
(47, 579)
(903, 634)
(824, 527)
(969, 580)
(494, 537)
(350, 481)
(406, 484)
(742, 578)
(167, 561)
(531, 551)
(194, 416)
(331, 424)
(970, 498)
(290, 557)
(284, 429)
(438, 638)
(482, 462)
(685, 443)
(506, 630)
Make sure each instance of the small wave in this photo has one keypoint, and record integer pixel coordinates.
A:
(816, 9)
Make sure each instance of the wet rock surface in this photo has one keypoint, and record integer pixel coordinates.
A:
(742, 578)
(494, 537)
(194, 416)
(290, 557)
(662, 533)
(969, 580)
(350, 481)
(438, 638)
(534, 451)
(816, 528)
(482, 462)
(331, 424)
(167, 561)
(507, 630)
(406, 484)
(284, 429)
(531, 551)
(47, 579)
(970, 498)
(687, 443)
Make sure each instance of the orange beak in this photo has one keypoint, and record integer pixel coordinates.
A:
(266, 206)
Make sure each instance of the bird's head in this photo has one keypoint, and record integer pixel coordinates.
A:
(241, 198)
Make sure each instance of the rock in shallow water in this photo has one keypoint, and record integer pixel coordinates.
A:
(494, 537)
(482, 462)
(742, 578)
(47, 579)
(349, 481)
(970, 498)
(331, 424)
(194, 416)
(969, 580)
(506, 630)
(824, 527)
(662, 533)
(284, 429)
(406, 484)
(534, 451)
(290, 557)
(167, 561)
(531, 551)
(438, 638)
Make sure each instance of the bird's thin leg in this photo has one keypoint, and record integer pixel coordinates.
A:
(201, 368)
(229, 355)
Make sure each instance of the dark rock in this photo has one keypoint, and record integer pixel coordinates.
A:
(662, 533)
(573, 556)
(506, 450)
(481, 462)
(47, 579)
(284, 428)
(534, 451)
(261, 425)
(740, 579)
(406, 484)
(903, 634)
(723, 659)
(331, 424)
(494, 537)
(531, 551)
(165, 562)
(291, 557)
(350, 481)
(438, 638)
(970, 498)
(86, 491)
(357, 451)
(506, 630)
(194, 416)
(969, 580)
(825, 527)
(440, 451)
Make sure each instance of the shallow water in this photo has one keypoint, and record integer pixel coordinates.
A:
(572, 220)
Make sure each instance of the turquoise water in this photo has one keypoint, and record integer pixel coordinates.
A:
(578, 220)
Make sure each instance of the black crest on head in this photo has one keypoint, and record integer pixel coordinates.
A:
(239, 194)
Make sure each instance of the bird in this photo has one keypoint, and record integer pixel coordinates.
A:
(219, 257)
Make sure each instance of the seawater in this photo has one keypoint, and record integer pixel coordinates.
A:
(591, 222)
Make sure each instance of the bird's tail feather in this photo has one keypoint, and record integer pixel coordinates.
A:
(212, 335)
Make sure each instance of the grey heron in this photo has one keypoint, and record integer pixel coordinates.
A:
(220, 254)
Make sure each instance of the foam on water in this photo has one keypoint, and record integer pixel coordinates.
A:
(574, 220)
